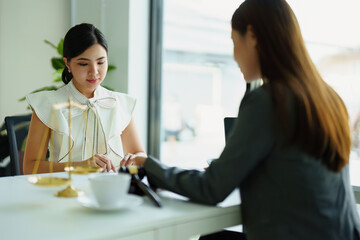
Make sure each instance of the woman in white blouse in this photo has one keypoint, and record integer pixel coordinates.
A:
(104, 127)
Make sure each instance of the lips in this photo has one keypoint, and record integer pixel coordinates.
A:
(92, 80)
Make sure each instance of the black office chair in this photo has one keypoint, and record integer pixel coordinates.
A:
(228, 126)
(17, 128)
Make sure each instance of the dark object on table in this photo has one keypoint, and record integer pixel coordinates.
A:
(137, 186)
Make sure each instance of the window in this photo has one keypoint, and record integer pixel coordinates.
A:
(201, 83)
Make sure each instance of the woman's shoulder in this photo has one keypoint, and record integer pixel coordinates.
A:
(42, 102)
(121, 98)
(48, 95)
(260, 95)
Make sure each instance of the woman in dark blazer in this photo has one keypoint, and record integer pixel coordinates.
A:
(289, 150)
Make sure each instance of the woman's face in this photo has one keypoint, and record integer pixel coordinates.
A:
(246, 54)
(88, 69)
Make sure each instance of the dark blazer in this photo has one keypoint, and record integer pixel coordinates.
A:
(286, 194)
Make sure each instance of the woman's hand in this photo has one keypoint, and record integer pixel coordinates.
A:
(102, 161)
(128, 159)
(136, 160)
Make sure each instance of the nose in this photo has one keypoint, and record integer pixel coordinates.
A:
(93, 70)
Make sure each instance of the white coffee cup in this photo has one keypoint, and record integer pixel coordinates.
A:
(108, 189)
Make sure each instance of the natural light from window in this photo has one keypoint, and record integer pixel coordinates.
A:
(202, 84)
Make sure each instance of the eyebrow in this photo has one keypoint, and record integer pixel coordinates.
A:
(86, 59)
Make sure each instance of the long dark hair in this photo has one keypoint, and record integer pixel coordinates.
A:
(77, 40)
(322, 119)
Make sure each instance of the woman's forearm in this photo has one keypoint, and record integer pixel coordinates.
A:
(44, 166)
(140, 154)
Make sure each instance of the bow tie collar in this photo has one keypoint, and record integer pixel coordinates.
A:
(87, 120)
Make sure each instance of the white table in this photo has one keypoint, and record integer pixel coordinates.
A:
(31, 212)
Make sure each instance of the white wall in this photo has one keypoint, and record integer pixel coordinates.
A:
(24, 57)
(139, 42)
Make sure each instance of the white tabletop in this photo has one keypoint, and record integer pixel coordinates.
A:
(31, 212)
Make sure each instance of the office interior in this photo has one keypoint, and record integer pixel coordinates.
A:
(193, 81)
(195, 46)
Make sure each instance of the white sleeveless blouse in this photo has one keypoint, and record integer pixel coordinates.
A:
(95, 129)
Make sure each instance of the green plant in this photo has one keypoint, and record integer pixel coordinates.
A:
(58, 64)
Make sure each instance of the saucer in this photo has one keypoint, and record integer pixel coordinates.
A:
(127, 201)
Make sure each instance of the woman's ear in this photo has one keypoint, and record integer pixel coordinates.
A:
(251, 36)
(66, 62)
